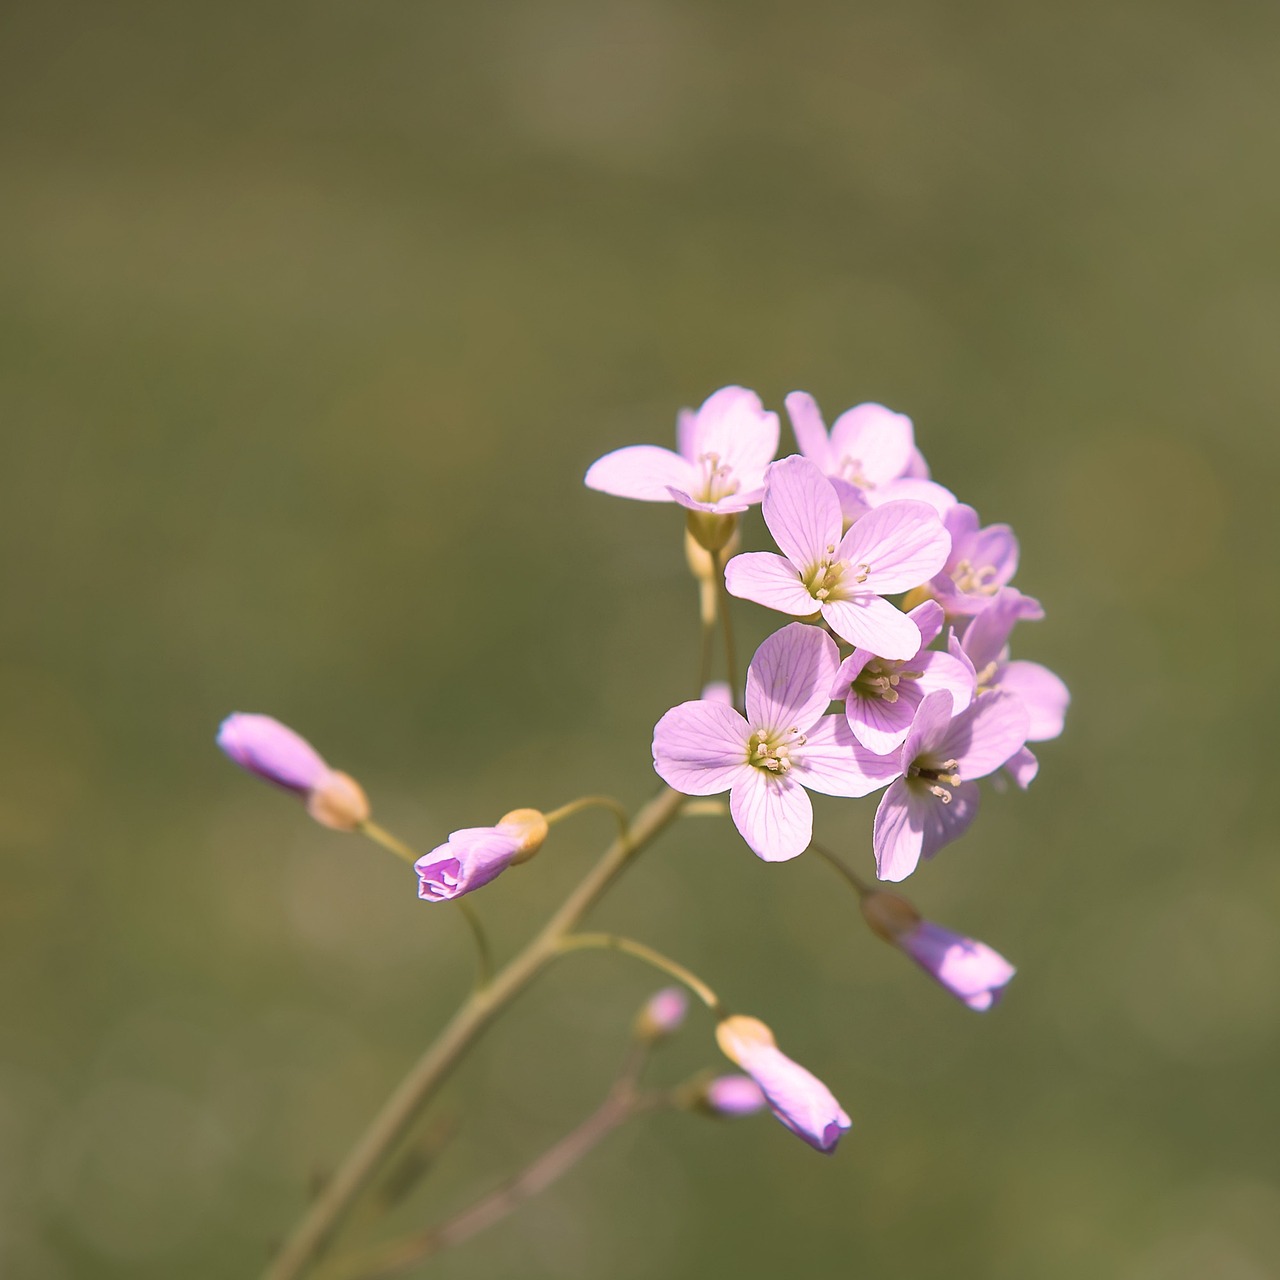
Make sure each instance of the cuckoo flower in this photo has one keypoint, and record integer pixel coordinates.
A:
(893, 548)
(935, 795)
(870, 455)
(982, 560)
(969, 970)
(767, 759)
(264, 746)
(881, 696)
(723, 450)
(799, 1099)
(984, 643)
(732, 1095)
(473, 856)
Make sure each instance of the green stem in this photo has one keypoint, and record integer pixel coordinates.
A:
(726, 623)
(614, 942)
(330, 1208)
(589, 802)
(860, 886)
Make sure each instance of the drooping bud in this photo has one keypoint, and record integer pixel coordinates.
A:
(661, 1015)
(731, 1095)
(277, 754)
(799, 1099)
(530, 826)
(888, 915)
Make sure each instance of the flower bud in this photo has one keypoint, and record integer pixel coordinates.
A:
(530, 827)
(661, 1015)
(265, 747)
(799, 1099)
(731, 1095)
(888, 915)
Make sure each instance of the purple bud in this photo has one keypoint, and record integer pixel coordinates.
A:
(733, 1096)
(662, 1015)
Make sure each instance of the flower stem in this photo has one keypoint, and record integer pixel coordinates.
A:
(860, 886)
(330, 1208)
(615, 942)
(589, 802)
(726, 624)
(484, 953)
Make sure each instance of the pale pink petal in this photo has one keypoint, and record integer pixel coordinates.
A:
(871, 441)
(732, 504)
(853, 503)
(929, 727)
(833, 762)
(942, 671)
(942, 823)
(466, 862)
(985, 734)
(929, 616)
(986, 635)
(1042, 693)
(802, 511)
(273, 751)
(872, 623)
(849, 670)
(770, 580)
(971, 971)
(1022, 767)
(996, 547)
(789, 680)
(880, 726)
(700, 748)
(733, 1095)
(896, 841)
(773, 814)
(735, 426)
(641, 471)
(903, 543)
(917, 467)
(810, 431)
(940, 499)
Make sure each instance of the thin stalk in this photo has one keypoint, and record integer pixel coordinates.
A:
(330, 1208)
(615, 942)
(591, 802)
(726, 625)
(860, 886)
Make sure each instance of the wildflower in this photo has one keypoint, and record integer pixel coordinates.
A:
(935, 795)
(767, 759)
(798, 1098)
(870, 455)
(893, 548)
(732, 1095)
(982, 560)
(274, 752)
(881, 696)
(971, 971)
(473, 856)
(724, 449)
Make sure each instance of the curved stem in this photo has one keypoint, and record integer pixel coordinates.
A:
(326, 1213)
(860, 886)
(589, 802)
(615, 942)
(484, 953)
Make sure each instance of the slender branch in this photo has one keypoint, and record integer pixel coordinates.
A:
(615, 942)
(726, 624)
(704, 809)
(860, 886)
(589, 802)
(353, 1175)
(484, 953)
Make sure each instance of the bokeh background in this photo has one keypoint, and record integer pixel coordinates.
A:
(312, 316)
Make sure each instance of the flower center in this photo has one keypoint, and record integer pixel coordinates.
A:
(850, 469)
(940, 777)
(826, 579)
(880, 679)
(717, 478)
(975, 580)
(770, 749)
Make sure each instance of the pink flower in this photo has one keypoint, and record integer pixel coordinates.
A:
(969, 970)
(732, 1095)
(265, 747)
(767, 759)
(799, 1099)
(881, 696)
(724, 449)
(982, 560)
(894, 548)
(470, 858)
(870, 455)
(935, 795)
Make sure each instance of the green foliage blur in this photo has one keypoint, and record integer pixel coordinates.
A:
(312, 317)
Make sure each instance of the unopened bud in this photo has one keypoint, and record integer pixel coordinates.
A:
(661, 1016)
(889, 916)
(730, 1095)
(530, 826)
(339, 802)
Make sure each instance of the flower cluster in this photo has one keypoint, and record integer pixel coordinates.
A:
(924, 714)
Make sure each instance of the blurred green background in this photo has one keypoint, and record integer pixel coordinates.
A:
(311, 318)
